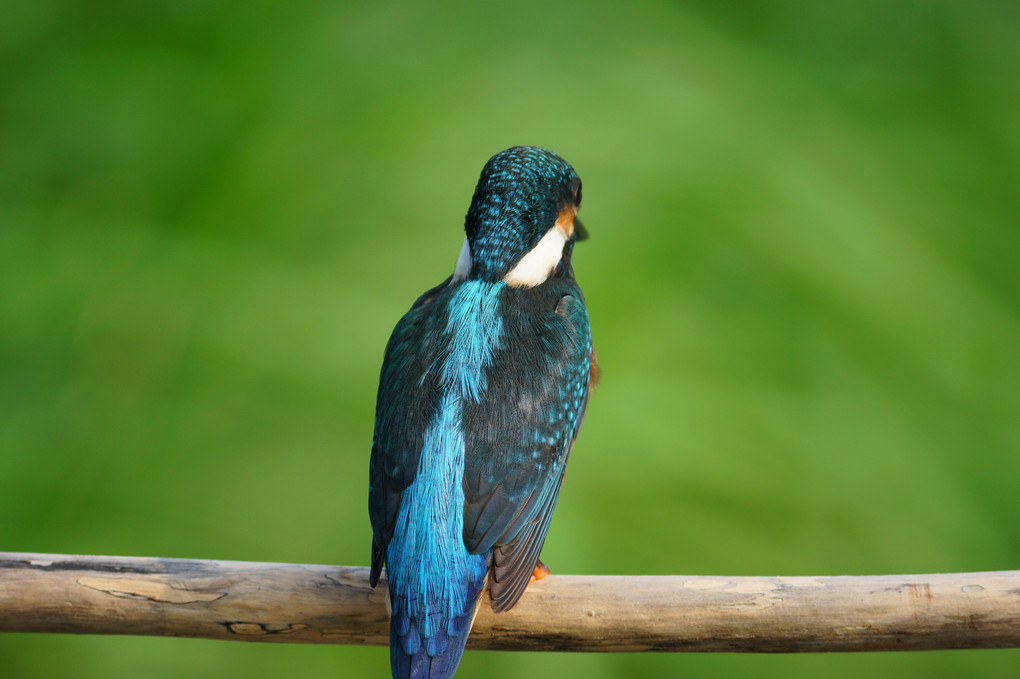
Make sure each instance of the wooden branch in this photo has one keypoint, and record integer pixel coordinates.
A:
(334, 604)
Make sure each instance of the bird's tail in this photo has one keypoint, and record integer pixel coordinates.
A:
(425, 642)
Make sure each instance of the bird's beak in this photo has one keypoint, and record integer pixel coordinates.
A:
(580, 233)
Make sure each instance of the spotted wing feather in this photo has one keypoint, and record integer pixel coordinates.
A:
(519, 436)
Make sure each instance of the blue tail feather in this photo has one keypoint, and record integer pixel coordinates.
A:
(434, 581)
(417, 654)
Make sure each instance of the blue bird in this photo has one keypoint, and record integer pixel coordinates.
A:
(482, 392)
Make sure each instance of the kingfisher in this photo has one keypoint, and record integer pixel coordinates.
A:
(482, 392)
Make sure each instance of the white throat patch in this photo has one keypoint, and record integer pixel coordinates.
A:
(535, 267)
(463, 268)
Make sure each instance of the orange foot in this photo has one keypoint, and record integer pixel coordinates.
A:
(541, 570)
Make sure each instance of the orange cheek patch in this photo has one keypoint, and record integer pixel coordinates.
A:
(565, 220)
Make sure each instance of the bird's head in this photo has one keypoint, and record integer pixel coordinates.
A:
(521, 221)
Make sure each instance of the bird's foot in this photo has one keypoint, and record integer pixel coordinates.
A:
(541, 570)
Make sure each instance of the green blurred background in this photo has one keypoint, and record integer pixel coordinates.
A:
(802, 278)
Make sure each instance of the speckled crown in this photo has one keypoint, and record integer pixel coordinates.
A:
(518, 198)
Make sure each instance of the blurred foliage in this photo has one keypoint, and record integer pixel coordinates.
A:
(802, 277)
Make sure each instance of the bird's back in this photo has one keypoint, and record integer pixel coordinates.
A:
(500, 379)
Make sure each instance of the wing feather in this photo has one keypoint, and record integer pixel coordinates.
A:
(519, 437)
(414, 354)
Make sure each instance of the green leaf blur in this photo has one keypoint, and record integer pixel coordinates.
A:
(802, 277)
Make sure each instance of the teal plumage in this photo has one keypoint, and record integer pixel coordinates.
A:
(482, 392)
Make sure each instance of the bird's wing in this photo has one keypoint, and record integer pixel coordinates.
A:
(408, 398)
(518, 437)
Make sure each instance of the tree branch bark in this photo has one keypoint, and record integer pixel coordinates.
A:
(333, 604)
